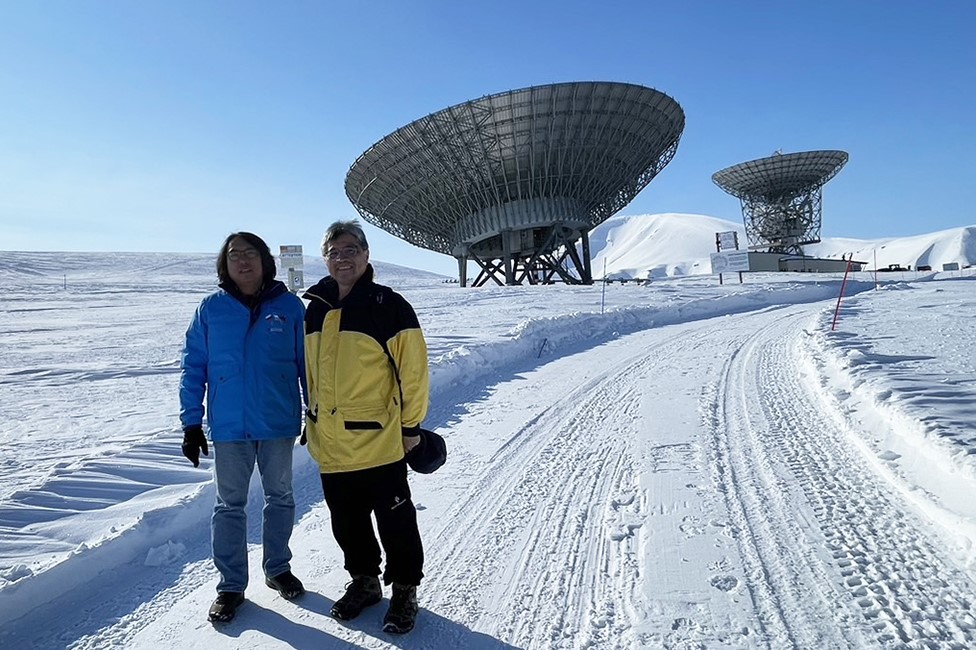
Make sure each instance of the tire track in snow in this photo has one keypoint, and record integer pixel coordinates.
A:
(781, 573)
(907, 591)
(550, 532)
(855, 548)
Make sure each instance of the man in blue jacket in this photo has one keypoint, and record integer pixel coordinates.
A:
(244, 353)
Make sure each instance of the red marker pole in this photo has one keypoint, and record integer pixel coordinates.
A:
(842, 285)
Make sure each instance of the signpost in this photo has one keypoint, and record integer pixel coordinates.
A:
(292, 259)
(728, 256)
(727, 241)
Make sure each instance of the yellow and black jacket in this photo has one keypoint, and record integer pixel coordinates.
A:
(357, 410)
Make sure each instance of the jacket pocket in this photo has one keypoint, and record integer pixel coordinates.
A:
(224, 394)
(371, 417)
(364, 425)
(357, 438)
(281, 393)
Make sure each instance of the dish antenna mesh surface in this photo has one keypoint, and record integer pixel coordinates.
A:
(514, 180)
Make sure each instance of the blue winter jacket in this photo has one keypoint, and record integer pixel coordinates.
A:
(250, 364)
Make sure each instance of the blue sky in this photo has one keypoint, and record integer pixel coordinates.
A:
(163, 126)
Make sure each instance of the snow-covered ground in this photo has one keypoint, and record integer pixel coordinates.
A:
(679, 464)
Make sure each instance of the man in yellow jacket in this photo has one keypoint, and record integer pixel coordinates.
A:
(368, 385)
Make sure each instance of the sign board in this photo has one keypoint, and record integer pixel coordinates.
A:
(727, 241)
(729, 261)
(296, 279)
(291, 257)
(950, 266)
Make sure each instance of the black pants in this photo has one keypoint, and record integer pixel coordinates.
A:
(383, 492)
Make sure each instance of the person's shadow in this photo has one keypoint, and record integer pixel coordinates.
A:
(432, 630)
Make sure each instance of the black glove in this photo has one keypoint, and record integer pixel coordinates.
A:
(194, 441)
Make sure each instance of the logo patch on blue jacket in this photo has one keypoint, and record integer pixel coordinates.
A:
(276, 322)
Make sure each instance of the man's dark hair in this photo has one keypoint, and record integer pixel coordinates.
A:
(340, 228)
(268, 268)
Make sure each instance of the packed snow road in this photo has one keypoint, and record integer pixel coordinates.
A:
(685, 486)
(590, 525)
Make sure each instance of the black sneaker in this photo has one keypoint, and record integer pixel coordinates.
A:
(286, 584)
(225, 607)
(362, 592)
(402, 615)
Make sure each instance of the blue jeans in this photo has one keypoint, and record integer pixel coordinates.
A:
(233, 466)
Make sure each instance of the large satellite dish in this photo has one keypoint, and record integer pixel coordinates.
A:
(781, 196)
(514, 180)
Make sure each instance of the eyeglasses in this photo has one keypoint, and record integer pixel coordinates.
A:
(345, 251)
(246, 254)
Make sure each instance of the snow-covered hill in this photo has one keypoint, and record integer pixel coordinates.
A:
(673, 244)
(656, 245)
(931, 249)
(178, 270)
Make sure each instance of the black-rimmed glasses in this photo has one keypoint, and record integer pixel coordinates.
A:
(345, 251)
(246, 254)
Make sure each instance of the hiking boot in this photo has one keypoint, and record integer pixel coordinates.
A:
(286, 584)
(225, 607)
(362, 592)
(402, 615)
